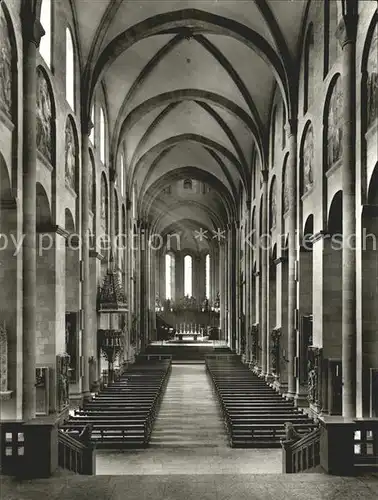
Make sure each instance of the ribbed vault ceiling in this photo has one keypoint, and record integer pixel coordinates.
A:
(189, 86)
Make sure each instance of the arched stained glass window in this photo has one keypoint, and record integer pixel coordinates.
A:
(45, 44)
(70, 69)
(169, 276)
(208, 291)
(92, 134)
(102, 135)
(188, 275)
(122, 175)
(308, 69)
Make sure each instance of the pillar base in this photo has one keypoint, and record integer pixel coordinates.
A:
(337, 445)
(289, 395)
(301, 400)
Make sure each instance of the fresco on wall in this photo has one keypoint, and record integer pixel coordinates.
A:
(372, 81)
(70, 156)
(44, 117)
(308, 160)
(5, 65)
(335, 125)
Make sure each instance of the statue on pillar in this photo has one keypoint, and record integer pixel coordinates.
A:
(313, 377)
(275, 350)
(62, 372)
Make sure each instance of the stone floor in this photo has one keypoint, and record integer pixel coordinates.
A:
(191, 461)
(189, 436)
(200, 466)
(194, 487)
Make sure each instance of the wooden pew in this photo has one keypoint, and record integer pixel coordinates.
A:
(122, 415)
(254, 414)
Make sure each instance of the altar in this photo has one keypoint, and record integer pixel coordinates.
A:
(189, 332)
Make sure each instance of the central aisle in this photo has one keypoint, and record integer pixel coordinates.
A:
(189, 414)
(189, 436)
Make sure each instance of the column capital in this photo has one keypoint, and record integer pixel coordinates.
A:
(291, 127)
(346, 31)
(32, 30)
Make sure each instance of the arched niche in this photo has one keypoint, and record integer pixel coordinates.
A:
(46, 286)
(10, 255)
(332, 307)
(72, 297)
(369, 292)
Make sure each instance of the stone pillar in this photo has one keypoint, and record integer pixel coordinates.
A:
(292, 255)
(233, 270)
(264, 276)
(229, 286)
(247, 277)
(347, 32)
(222, 288)
(112, 255)
(142, 283)
(238, 290)
(32, 33)
(87, 333)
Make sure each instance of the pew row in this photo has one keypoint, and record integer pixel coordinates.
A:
(254, 414)
(122, 415)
